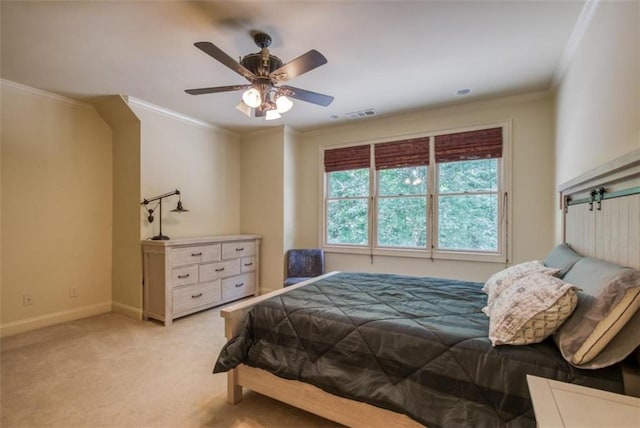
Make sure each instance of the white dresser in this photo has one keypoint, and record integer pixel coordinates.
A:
(182, 276)
(559, 404)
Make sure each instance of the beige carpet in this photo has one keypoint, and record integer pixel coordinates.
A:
(113, 371)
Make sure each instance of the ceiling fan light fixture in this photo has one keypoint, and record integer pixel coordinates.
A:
(272, 114)
(244, 108)
(283, 104)
(251, 98)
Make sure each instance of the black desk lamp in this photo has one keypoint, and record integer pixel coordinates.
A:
(178, 209)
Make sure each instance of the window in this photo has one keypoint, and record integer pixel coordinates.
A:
(441, 196)
(347, 195)
(468, 205)
(467, 194)
(348, 207)
(401, 208)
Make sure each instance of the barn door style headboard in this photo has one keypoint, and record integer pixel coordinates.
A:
(602, 211)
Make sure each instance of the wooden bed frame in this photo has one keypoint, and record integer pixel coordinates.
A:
(605, 225)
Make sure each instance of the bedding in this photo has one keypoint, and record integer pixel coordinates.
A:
(531, 309)
(417, 346)
(500, 281)
(562, 257)
(604, 328)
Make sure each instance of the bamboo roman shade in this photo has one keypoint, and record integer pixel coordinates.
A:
(402, 154)
(347, 158)
(471, 145)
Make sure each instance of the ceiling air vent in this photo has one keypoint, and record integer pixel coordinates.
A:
(362, 113)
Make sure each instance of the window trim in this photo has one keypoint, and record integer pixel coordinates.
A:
(503, 255)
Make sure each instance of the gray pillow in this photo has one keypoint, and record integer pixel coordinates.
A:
(603, 330)
(562, 257)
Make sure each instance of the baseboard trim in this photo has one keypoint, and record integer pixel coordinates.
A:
(126, 310)
(22, 326)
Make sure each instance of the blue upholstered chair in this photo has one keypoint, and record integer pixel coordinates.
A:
(303, 264)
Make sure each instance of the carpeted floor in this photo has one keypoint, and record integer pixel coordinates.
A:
(113, 371)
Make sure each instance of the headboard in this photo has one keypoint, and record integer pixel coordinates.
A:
(601, 219)
(601, 208)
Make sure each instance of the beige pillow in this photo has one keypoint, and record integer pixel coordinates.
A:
(502, 280)
(608, 327)
(531, 309)
(604, 328)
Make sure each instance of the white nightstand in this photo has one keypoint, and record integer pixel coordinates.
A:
(559, 404)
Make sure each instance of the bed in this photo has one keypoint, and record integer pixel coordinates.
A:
(391, 350)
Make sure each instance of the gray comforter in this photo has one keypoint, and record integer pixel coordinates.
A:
(417, 346)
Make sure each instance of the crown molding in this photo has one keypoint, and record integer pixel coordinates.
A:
(576, 37)
(170, 113)
(42, 93)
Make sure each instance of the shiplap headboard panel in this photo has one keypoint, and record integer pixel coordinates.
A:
(605, 224)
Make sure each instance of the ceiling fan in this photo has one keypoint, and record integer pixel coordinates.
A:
(264, 96)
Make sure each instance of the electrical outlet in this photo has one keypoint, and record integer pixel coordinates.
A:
(73, 292)
(27, 300)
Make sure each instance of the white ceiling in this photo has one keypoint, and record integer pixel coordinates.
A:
(391, 56)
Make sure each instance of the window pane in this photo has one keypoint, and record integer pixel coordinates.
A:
(402, 222)
(403, 181)
(349, 183)
(468, 222)
(468, 176)
(347, 221)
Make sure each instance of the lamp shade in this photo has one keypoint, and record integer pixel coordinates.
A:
(251, 97)
(283, 104)
(271, 115)
(179, 208)
(244, 108)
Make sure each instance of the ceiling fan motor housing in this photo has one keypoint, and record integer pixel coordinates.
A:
(254, 63)
(262, 40)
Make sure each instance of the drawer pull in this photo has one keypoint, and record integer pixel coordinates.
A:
(195, 296)
(240, 249)
(248, 264)
(239, 285)
(186, 275)
(219, 270)
(196, 254)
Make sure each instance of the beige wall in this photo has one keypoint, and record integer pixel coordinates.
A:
(56, 210)
(126, 270)
(598, 99)
(292, 190)
(202, 161)
(75, 183)
(532, 200)
(262, 206)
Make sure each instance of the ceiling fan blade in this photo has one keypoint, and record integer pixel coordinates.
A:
(308, 96)
(217, 54)
(216, 89)
(296, 67)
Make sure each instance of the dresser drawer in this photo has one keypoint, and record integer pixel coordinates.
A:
(184, 275)
(211, 271)
(231, 250)
(194, 296)
(196, 254)
(238, 286)
(247, 264)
